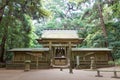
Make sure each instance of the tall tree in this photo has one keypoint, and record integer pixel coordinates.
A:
(97, 20)
(15, 9)
(102, 22)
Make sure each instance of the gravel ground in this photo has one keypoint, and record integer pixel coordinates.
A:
(56, 74)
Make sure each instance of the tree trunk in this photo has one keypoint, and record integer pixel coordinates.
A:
(4, 38)
(102, 24)
(1, 15)
(2, 45)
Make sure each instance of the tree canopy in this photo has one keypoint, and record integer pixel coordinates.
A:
(16, 23)
(97, 21)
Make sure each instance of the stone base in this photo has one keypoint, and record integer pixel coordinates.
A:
(98, 76)
(115, 77)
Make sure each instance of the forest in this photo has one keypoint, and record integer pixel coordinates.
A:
(22, 21)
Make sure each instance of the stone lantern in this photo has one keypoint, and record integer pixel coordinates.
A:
(92, 64)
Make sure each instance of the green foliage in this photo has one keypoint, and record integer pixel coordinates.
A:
(116, 9)
(111, 62)
(82, 15)
(87, 21)
(114, 39)
(20, 34)
(16, 26)
(18, 16)
(115, 63)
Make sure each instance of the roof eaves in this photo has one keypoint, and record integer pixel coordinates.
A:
(91, 49)
(28, 49)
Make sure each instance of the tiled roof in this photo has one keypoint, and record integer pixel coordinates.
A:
(91, 49)
(67, 34)
(29, 49)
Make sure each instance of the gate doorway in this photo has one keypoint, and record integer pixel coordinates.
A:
(60, 56)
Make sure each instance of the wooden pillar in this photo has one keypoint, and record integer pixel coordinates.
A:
(109, 56)
(70, 57)
(37, 63)
(115, 75)
(50, 51)
(98, 74)
(13, 58)
(77, 61)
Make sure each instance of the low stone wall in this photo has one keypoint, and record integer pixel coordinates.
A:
(41, 65)
(86, 64)
(15, 66)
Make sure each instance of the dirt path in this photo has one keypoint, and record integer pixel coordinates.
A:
(54, 74)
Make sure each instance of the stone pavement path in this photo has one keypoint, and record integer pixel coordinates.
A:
(53, 74)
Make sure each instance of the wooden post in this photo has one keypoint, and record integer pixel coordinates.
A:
(37, 63)
(51, 56)
(77, 61)
(61, 69)
(115, 75)
(98, 74)
(70, 56)
(13, 59)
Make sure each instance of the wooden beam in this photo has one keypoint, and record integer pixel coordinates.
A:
(37, 63)
(59, 45)
(75, 41)
(50, 51)
(70, 57)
